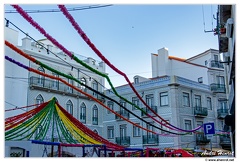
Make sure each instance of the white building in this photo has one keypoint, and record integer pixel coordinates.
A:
(227, 21)
(185, 92)
(24, 88)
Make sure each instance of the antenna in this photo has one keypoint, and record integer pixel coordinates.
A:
(206, 31)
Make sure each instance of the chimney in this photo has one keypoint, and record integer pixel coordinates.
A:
(26, 43)
(160, 63)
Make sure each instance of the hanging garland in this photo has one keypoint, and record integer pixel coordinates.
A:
(72, 78)
(33, 23)
(92, 46)
(65, 82)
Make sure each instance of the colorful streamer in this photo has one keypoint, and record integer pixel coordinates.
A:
(32, 22)
(65, 82)
(72, 78)
(91, 45)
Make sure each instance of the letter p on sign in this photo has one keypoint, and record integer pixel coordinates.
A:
(209, 128)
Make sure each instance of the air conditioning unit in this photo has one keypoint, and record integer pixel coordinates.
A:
(229, 28)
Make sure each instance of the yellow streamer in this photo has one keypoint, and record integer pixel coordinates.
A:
(73, 128)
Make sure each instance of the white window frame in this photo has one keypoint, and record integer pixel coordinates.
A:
(186, 96)
(136, 130)
(164, 100)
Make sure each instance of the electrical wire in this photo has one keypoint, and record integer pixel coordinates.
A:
(16, 108)
(57, 10)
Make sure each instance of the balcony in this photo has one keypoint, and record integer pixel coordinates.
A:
(201, 139)
(225, 142)
(154, 108)
(216, 64)
(124, 140)
(217, 88)
(150, 139)
(54, 86)
(123, 113)
(221, 113)
(200, 111)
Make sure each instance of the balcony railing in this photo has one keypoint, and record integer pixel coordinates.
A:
(154, 108)
(221, 113)
(217, 88)
(200, 111)
(150, 139)
(216, 64)
(225, 141)
(124, 141)
(201, 139)
(57, 87)
(123, 113)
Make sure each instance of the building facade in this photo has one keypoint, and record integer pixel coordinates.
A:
(226, 36)
(185, 92)
(27, 88)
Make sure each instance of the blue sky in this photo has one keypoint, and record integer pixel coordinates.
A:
(127, 34)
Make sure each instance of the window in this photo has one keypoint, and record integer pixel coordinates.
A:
(223, 104)
(215, 57)
(41, 77)
(95, 115)
(69, 106)
(186, 100)
(83, 113)
(135, 100)
(220, 80)
(188, 125)
(136, 80)
(209, 103)
(95, 87)
(123, 111)
(39, 99)
(206, 62)
(165, 128)
(55, 83)
(163, 99)
(123, 130)
(198, 103)
(70, 81)
(82, 87)
(150, 127)
(200, 123)
(95, 131)
(110, 105)
(149, 100)
(136, 130)
(200, 80)
(110, 132)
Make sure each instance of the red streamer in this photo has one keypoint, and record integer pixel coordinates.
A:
(92, 46)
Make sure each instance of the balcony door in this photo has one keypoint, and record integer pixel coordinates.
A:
(123, 131)
(41, 77)
(220, 80)
(198, 103)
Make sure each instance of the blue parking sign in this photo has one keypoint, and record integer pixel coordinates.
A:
(209, 128)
